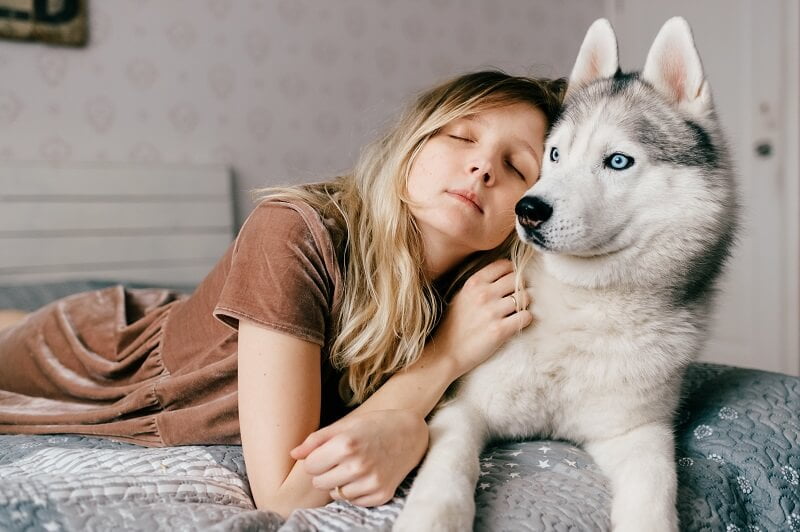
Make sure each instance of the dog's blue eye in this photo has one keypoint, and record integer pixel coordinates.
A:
(554, 154)
(618, 161)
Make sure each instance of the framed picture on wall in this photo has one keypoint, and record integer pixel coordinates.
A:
(52, 21)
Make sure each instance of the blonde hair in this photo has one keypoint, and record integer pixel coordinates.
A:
(389, 307)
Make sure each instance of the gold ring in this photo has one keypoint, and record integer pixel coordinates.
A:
(338, 491)
(514, 299)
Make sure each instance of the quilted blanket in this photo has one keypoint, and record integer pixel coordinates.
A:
(738, 459)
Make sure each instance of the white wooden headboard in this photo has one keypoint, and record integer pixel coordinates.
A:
(136, 222)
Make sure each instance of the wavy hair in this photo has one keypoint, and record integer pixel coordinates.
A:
(389, 307)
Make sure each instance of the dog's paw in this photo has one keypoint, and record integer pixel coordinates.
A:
(435, 516)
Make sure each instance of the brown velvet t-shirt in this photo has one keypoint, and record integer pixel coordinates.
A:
(155, 368)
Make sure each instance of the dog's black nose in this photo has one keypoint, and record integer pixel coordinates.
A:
(532, 211)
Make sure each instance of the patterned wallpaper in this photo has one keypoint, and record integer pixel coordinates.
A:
(283, 91)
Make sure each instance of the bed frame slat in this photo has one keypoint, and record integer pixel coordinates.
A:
(129, 222)
(26, 217)
(42, 181)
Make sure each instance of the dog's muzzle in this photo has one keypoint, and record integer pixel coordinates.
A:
(532, 212)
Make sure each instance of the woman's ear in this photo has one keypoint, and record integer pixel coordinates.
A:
(598, 57)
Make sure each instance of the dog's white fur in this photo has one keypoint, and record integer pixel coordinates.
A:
(603, 361)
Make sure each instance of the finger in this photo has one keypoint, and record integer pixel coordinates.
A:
(363, 491)
(338, 494)
(515, 302)
(526, 296)
(327, 456)
(344, 493)
(516, 322)
(373, 499)
(312, 441)
(512, 303)
(494, 270)
(343, 474)
(505, 285)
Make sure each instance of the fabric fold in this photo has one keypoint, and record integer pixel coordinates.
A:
(156, 367)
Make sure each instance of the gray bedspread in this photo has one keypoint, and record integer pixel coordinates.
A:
(738, 459)
(738, 463)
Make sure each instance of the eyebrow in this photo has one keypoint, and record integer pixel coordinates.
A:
(523, 143)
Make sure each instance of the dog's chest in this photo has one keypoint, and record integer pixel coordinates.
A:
(567, 370)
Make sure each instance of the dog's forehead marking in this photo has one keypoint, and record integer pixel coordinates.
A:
(574, 122)
(584, 139)
(668, 136)
(588, 128)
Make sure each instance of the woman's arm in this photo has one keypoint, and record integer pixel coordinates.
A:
(369, 452)
(279, 405)
(418, 387)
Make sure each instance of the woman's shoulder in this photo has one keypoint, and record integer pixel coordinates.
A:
(286, 219)
(295, 217)
(293, 220)
(293, 211)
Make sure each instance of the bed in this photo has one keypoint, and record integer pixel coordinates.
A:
(738, 448)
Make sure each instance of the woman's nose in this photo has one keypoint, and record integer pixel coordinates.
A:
(483, 170)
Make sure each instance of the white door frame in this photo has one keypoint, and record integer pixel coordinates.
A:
(791, 165)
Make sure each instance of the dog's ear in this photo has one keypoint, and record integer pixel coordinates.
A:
(673, 67)
(598, 57)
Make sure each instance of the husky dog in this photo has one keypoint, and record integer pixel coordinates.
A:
(633, 217)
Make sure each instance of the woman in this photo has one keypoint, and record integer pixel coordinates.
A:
(330, 297)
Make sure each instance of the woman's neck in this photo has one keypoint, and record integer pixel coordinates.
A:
(441, 254)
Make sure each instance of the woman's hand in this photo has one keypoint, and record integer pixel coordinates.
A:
(482, 316)
(366, 455)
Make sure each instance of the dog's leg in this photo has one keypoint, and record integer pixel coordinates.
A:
(442, 497)
(641, 467)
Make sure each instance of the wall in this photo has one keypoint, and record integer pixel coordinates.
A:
(283, 91)
(755, 96)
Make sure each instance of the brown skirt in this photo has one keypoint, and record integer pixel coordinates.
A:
(91, 364)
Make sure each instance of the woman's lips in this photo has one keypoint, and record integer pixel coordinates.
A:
(468, 198)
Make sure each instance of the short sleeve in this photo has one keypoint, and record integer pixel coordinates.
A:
(278, 275)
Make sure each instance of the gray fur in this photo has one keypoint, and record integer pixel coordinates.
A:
(680, 141)
(673, 138)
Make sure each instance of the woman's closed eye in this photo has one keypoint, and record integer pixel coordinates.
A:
(514, 168)
(458, 137)
(461, 137)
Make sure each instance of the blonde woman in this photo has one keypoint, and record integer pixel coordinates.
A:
(350, 305)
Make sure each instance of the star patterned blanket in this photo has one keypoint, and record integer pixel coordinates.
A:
(738, 460)
(737, 451)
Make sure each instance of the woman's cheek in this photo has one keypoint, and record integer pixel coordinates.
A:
(504, 227)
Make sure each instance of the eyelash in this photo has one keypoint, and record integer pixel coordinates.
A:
(520, 174)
